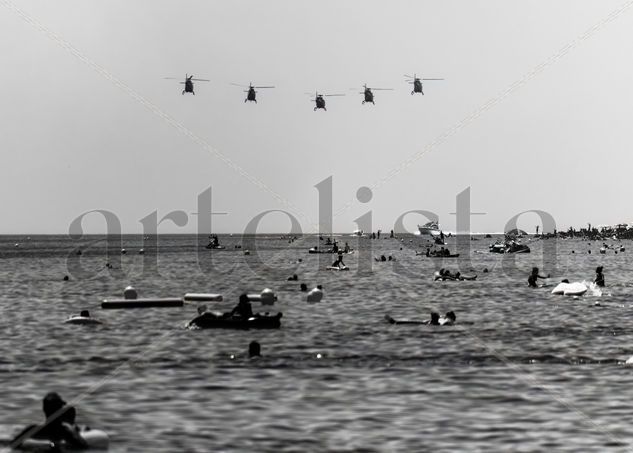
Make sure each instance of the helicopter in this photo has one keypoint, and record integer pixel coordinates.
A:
(369, 96)
(417, 83)
(188, 83)
(320, 102)
(251, 93)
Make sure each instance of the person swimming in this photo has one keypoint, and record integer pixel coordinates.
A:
(254, 349)
(534, 276)
(58, 427)
(435, 319)
(449, 319)
(599, 277)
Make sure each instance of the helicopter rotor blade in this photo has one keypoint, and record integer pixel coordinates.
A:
(409, 76)
(173, 78)
(332, 95)
(201, 80)
(383, 89)
(432, 79)
(238, 85)
(264, 87)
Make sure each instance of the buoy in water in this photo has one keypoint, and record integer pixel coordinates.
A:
(266, 297)
(315, 295)
(130, 293)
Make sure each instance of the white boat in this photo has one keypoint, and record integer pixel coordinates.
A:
(358, 233)
(432, 228)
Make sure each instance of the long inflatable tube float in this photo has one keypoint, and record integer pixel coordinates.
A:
(142, 303)
(202, 297)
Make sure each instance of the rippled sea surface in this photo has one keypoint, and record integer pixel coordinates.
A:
(522, 370)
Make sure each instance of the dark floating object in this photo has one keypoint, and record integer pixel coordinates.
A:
(209, 320)
(142, 303)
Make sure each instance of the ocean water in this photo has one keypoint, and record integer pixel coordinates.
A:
(522, 370)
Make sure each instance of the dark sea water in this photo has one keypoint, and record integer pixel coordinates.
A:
(522, 370)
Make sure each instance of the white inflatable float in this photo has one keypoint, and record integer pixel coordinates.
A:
(337, 268)
(570, 289)
(202, 297)
(95, 438)
(79, 319)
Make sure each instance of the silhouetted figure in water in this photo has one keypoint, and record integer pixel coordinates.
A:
(449, 319)
(59, 426)
(435, 319)
(534, 276)
(254, 349)
(303, 287)
(599, 277)
(339, 261)
(243, 309)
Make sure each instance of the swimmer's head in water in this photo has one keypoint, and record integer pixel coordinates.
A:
(84, 313)
(254, 349)
(435, 317)
(599, 269)
(564, 280)
(244, 298)
(304, 287)
(51, 403)
(451, 315)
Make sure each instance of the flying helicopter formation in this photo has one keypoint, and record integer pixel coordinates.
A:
(368, 95)
(188, 83)
(251, 93)
(319, 99)
(320, 102)
(417, 83)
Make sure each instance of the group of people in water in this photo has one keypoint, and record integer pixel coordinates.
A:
(441, 252)
(383, 258)
(445, 274)
(534, 276)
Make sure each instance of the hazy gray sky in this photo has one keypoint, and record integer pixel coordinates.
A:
(72, 141)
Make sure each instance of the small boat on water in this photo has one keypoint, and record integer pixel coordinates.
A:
(432, 228)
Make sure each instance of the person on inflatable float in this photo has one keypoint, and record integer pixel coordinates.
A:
(243, 308)
(58, 427)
